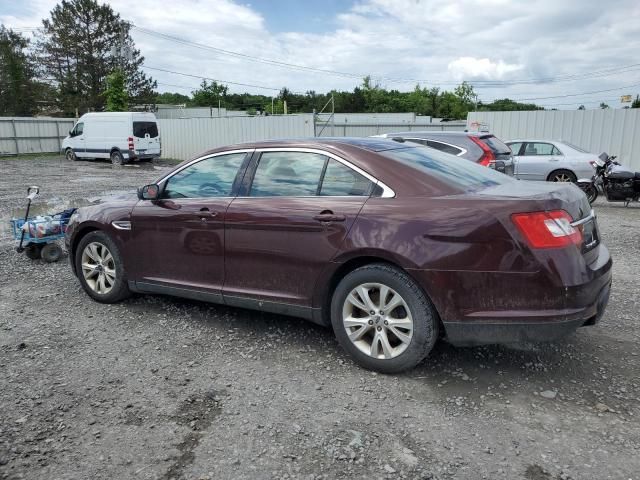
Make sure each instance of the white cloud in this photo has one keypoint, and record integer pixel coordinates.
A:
(470, 68)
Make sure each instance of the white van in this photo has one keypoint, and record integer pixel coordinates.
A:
(119, 136)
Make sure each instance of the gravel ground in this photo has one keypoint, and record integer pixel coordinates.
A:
(161, 388)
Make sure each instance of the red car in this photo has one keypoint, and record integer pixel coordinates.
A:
(391, 244)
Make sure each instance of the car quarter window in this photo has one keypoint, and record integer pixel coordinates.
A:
(340, 180)
(538, 148)
(211, 177)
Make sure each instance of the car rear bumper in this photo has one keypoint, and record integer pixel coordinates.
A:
(528, 326)
(498, 307)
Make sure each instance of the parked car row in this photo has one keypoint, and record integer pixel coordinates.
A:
(526, 159)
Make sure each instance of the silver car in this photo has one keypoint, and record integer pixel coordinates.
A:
(551, 161)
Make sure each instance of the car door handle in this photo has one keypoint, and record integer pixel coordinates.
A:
(205, 213)
(329, 217)
(554, 159)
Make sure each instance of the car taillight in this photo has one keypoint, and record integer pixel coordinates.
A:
(547, 229)
(130, 141)
(487, 157)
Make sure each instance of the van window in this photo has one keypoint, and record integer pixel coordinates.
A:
(140, 129)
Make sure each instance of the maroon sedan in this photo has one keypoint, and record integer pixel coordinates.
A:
(391, 244)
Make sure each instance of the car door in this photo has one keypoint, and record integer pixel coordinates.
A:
(77, 140)
(179, 239)
(535, 161)
(296, 209)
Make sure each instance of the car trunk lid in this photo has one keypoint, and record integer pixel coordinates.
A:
(547, 196)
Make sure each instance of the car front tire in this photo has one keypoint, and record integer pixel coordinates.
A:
(100, 268)
(381, 317)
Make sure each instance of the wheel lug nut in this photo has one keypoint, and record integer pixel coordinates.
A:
(372, 312)
(379, 328)
(386, 323)
(370, 322)
(381, 312)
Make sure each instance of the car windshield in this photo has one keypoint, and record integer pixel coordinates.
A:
(454, 171)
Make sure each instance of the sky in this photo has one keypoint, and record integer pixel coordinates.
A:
(568, 50)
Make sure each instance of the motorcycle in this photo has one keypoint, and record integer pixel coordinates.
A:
(618, 183)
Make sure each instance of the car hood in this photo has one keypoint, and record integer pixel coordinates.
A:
(109, 208)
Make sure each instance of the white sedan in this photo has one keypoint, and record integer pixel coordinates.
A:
(551, 161)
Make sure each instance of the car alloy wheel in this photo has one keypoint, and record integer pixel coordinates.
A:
(562, 177)
(377, 320)
(98, 268)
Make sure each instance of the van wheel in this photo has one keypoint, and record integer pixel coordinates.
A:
(117, 158)
(383, 319)
(70, 155)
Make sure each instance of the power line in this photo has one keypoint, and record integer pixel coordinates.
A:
(210, 79)
(572, 94)
(476, 83)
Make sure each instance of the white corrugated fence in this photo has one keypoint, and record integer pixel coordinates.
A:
(184, 138)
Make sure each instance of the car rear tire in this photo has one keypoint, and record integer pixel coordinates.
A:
(388, 341)
(117, 158)
(70, 155)
(100, 268)
(565, 176)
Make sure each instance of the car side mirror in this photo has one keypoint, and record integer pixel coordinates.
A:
(149, 192)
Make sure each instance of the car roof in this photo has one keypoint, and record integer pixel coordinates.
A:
(439, 133)
(338, 143)
(536, 140)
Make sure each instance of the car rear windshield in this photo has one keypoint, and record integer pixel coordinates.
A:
(452, 170)
(140, 129)
(496, 145)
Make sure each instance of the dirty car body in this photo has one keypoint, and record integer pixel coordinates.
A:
(257, 231)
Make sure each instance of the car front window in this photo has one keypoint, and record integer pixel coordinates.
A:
(211, 177)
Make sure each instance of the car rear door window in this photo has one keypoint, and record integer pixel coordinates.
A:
(340, 180)
(141, 129)
(290, 174)
(211, 177)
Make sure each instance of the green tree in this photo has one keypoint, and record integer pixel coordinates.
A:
(116, 92)
(19, 91)
(581, 107)
(82, 42)
(603, 105)
(636, 102)
(209, 94)
(168, 98)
